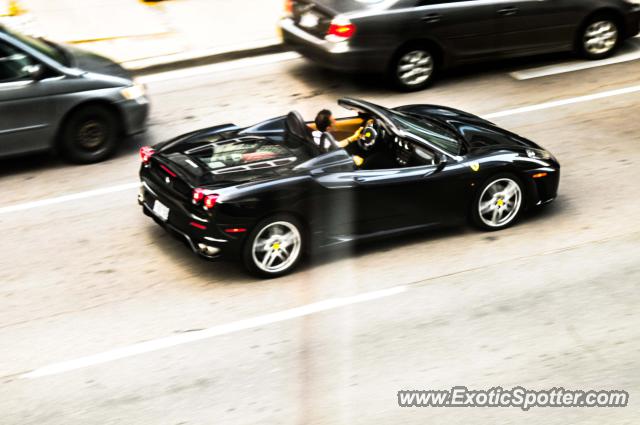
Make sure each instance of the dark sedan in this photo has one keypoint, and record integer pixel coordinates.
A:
(270, 192)
(412, 40)
(61, 98)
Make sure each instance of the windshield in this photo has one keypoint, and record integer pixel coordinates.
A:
(425, 129)
(47, 48)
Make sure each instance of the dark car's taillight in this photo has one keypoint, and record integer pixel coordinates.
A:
(340, 29)
(288, 7)
(146, 152)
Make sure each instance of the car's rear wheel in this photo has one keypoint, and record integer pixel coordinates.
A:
(413, 68)
(89, 135)
(498, 203)
(274, 247)
(599, 37)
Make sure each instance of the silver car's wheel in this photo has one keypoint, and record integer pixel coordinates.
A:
(500, 203)
(276, 247)
(415, 68)
(600, 38)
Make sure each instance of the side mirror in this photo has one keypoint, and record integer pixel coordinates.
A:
(35, 71)
(442, 161)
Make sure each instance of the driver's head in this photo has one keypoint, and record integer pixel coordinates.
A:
(324, 120)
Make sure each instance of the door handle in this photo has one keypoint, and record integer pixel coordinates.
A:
(508, 11)
(431, 18)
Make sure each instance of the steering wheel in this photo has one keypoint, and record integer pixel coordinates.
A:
(369, 135)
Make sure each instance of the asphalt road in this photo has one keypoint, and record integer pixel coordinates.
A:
(551, 302)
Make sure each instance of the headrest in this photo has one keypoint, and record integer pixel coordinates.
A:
(298, 134)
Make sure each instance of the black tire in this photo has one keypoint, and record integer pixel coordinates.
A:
(90, 134)
(483, 195)
(277, 222)
(413, 56)
(607, 48)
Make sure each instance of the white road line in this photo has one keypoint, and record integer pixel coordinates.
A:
(227, 328)
(564, 102)
(218, 67)
(545, 71)
(67, 198)
(509, 112)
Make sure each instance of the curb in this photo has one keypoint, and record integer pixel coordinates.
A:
(187, 60)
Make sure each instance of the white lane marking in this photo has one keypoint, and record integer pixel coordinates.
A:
(545, 71)
(227, 328)
(218, 67)
(67, 198)
(524, 109)
(564, 102)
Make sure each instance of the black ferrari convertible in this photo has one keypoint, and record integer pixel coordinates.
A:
(273, 191)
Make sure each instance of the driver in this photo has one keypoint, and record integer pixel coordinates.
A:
(326, 122)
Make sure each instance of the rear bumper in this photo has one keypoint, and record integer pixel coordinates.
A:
(340, 56)
(200, 234)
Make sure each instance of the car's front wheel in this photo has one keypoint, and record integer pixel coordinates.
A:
(599, 37)
(413, 68)
(89, 135)
(274, 247)
(498, 203)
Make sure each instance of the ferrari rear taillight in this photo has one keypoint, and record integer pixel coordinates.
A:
(198, 195)
(341, 29)
(146, 152)
(205, 196)
(210, 201)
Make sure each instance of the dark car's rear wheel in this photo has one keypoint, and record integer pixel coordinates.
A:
(89, 135)
(274, 247)
(413, 68)
(599, 37)
(498, 203)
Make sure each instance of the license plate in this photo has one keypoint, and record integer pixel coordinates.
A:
(161, 210)
(309, 20)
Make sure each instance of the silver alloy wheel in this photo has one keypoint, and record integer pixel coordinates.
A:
(415, 67)
(600, 37)
(276, 247)
(500, 202)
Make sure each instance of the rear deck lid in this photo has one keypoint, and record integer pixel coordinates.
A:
(223, 163)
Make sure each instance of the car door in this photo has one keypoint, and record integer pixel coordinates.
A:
(365, 202)
(537, 26)
(467, 30)
(25, 112)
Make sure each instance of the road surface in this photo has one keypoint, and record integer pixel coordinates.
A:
(105, 319)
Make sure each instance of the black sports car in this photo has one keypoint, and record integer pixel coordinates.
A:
(270, 192)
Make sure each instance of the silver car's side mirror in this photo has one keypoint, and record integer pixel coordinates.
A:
(35, 71)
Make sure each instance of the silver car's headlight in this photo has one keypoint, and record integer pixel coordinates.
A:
(633, 2)
(539, 154)
(134, 92)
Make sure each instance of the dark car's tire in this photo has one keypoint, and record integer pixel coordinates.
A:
(598, 37)
(498, 202)
(413, 68)
(274, 247)
(90, 134)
